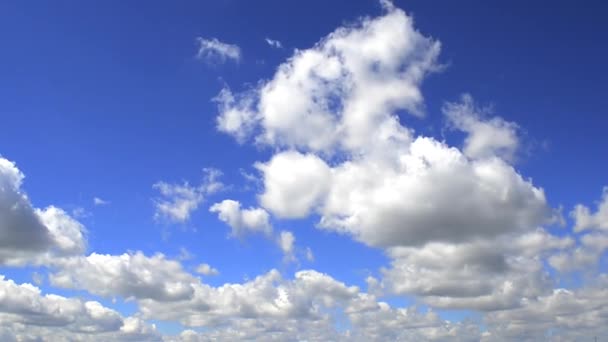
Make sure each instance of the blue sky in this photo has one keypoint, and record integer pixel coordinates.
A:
(447, 159)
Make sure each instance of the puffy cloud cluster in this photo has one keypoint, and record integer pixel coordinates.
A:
(127, 275)
(564, 315)
(463, 229)
(307, 307)
(26, 314)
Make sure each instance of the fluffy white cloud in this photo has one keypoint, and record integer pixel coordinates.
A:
(294, 183)
(462, 228)
(26, 314)
(341, 93)
(206, 269)
(307, 307)
(127, 275)
(28, 234)
(584, 219)
(242, 221)
(179, 201)
(487, 137)
(414, 199)
(213, 50)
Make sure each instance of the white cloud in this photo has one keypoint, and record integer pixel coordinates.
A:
(242, 221)
(309, 255)
(286, 241)
(27, 315)
(564, 315)
(481, 275)
(487, 136)
(583, 257)
(294, 183)
(214, 50)
(179, 201)
(341, 93)
(273, 43)
(412, 199)
(28, 234)
(462, 228)
(206, 269)
(127, 275)
(99, 202)
(584, 219)
(304, 308)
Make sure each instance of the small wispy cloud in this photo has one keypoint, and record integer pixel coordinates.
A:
(273, 43)
(178, 201)
(98, 201)
(214, 50)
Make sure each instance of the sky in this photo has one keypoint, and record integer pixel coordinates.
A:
(303, 171)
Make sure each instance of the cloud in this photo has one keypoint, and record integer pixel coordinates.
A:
(487, 137)
(27, 314)
(213, 50)
(99, 202)
(272, 307)
(583, 257)
(179, 201)
(568, 315)
(242, 221)
(286, 241)
(309, 255)
(294, 183)
(273, 43)
(585, 220)
(32, 235)
(207, 270)
(340, 94)
(412, 199)
(482, 275)
(463, 228)
(127, 276)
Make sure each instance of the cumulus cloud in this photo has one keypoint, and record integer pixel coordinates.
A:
(585, 220)
(130, 275)
(213, 50)
(242, 221)
(487, 136)
(272, 307)
(462, 228)
(28, 234)
(482, 275)
(414, 199)
(341, 93)
(178, 201)
(27, 314)
(565, 315)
